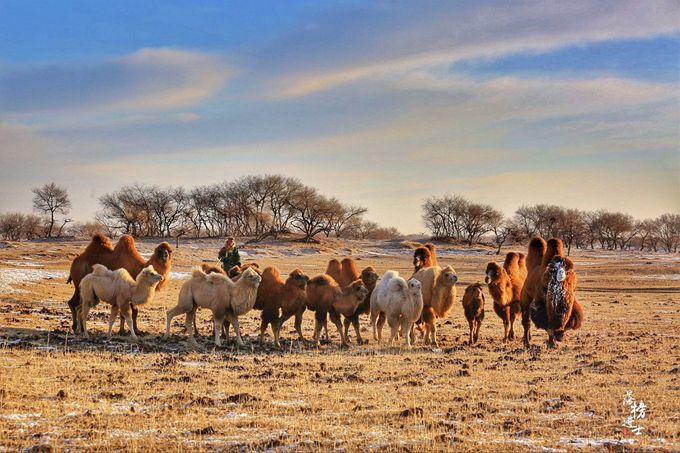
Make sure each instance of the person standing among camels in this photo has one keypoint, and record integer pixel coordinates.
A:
(228, 255)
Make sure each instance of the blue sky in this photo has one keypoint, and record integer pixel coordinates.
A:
(382, 103)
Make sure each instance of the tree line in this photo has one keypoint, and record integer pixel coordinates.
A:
(254, 206)
(258, 206)
(452, 217)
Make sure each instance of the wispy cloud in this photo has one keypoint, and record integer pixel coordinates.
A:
(146, 80)
(444, 33)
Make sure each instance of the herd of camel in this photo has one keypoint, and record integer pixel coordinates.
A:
(539, 286)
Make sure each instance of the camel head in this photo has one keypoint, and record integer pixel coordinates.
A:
(369, 277)
(448, 276)
(358, 289)
(421, 257)
(298, 279)
(493, 273)
(475, 291)
(415, 287)
(163, 252)
(251, 276)
(559, 280)
(150, 274)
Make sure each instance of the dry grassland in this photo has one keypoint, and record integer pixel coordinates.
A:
(65, 393)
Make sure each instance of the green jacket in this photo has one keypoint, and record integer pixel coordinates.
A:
(229, 258)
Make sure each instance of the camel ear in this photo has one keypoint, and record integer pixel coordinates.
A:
(568, 265)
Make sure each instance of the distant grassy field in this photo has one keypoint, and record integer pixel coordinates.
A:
(59, 391)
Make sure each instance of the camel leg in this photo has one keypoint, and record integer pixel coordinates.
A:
(335, 318)
(112, 318)
(175, 311)
(345, 324)
(263, 328)
(233, 319)
(189, 323)
(357, 330)
(471, 324)
(217, 325)
(135, 312)
(374, 319)
(526, 323)
(394, 329)
(127, 313)
(513, 315)
(319, 322)
(433, 329)
(477, 326)
(298, 326)
(84, 310)
(381, 322)
(406, 329)
(73, 303)
(506, 323)
(552, 344)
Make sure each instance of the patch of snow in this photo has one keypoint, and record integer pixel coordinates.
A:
(22, 263)
(658, 277)
(192, 363)
(9, 277)
(288, 403)
(178, 275)
(19, 416)
(582, 442)
(233, 416)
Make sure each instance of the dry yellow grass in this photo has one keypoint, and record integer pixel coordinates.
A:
(61, 391)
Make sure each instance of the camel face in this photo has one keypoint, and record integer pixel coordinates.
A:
(252, 277)
(163, 252)
(152, 275)
(449, 276)
(299, 279)
(492, 273)
(414, 287)
(369, 277)
(559, 273)
(359, 290)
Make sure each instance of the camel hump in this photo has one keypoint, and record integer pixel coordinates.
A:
(511, 260)
(100, 269)
(198, 274)
(536, 251)
(554, 247)
(274, 273)
(126, 242)
(101, 240)
(397, 284)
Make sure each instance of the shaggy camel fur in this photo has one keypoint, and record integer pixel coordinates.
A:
(473, 306)
(425, 256)
(539, 256)
(402, 304)
(281, 299)
(345, 273)
(439, 294)
(119, 289)
(235, 272)
(125, 256)
(218, 293)
(325, 297)
(558, 310)
(505, 286)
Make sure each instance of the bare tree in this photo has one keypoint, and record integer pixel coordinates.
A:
(51, 199)
(311, 213)
(669, 231)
